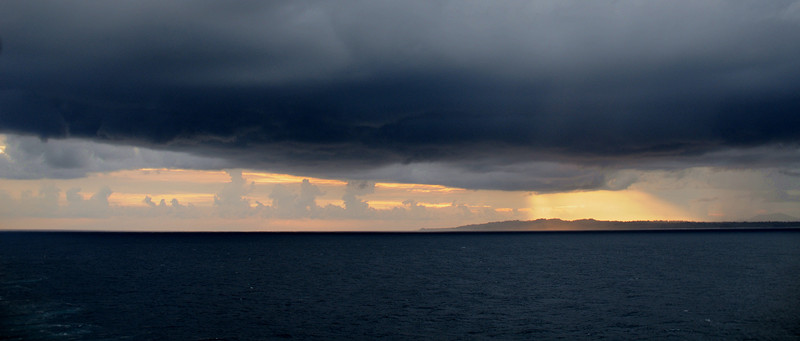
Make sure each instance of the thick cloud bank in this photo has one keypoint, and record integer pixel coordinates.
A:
(474, 88)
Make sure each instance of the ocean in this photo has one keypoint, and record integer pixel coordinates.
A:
(667, 285)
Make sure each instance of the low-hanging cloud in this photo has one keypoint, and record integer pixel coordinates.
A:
(231, 201)
(486, 92)
(28, 157)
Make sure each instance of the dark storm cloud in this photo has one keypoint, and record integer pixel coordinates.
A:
(320, 87)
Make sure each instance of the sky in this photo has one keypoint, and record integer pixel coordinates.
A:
(395, 115)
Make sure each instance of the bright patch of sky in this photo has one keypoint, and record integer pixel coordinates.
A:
(148, 198)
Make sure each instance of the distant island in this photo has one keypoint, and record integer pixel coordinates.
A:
(605, 225)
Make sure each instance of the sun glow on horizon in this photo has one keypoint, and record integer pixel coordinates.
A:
(138, 199)
(253, 200)
(242, 199)
(624, 205)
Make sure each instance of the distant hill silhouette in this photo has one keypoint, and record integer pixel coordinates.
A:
(773, 217)
(605, 225)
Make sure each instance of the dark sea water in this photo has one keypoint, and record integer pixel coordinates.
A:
(249, 286)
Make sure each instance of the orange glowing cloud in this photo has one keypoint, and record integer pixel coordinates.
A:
(419, 188)
(169, 175)
(274, 178)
